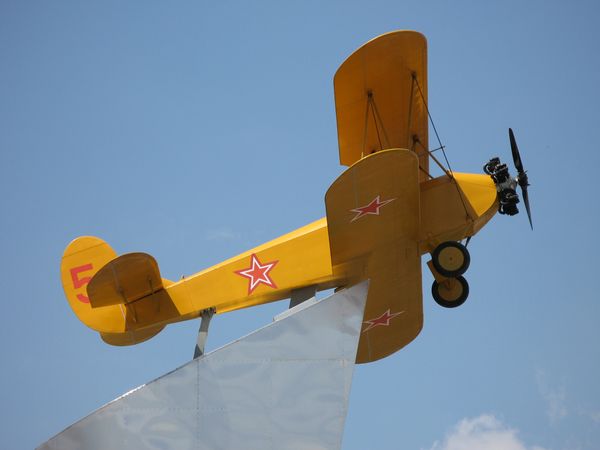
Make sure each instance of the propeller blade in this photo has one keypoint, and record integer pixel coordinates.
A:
(527, 207)
(522, 176)
(515, 151)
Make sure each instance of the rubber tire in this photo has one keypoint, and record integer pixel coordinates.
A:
(444, 302)
(435, 258)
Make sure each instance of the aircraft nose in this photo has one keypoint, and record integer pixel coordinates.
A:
(480, 191)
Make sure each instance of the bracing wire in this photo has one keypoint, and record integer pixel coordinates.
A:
(377, 118)
(441, 146)
(364, 146)
(372, 104)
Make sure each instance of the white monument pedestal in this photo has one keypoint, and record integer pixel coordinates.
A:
(284, 386)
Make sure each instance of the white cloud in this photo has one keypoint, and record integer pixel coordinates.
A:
(555, 397)
(221, 234)
(595, 416)
(482, 433)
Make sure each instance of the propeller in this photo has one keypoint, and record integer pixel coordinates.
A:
(522, 176)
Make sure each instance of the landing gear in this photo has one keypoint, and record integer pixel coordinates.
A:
(451, 292)
(449, 261)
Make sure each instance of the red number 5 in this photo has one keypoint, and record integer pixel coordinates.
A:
(80, 282)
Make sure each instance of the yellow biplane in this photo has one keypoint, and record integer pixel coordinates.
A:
(383, 213)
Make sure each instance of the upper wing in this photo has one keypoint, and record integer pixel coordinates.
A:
(373, 215)
(380, 98)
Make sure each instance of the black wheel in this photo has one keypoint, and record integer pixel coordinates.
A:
(451, 259)
(450, 293)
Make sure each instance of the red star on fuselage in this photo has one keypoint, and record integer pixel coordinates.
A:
(258, 273)
(382, 320)
(372, 208)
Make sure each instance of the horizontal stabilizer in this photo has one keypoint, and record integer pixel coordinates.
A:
(125, 279)
(131, 337)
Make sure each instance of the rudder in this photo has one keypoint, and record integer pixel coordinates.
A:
(82, 258)
(120, 297)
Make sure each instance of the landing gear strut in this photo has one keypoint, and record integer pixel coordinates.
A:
(449, 261)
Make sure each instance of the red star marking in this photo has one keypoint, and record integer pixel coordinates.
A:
(382, 320)
(372, 208)
(258, 273)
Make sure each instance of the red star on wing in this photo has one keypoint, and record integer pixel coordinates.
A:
(382, 320)
(372, 208)
(258, 273)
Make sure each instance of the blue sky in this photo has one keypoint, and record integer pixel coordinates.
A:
(196, 130)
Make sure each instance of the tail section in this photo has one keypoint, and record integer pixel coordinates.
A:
(121, 297)
(81, 260)
(131, 337)
(124, 280)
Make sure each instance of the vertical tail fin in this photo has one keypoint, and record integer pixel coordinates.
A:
(82, 258)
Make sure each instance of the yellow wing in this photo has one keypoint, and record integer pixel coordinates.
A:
(373, 220)
(380, 98)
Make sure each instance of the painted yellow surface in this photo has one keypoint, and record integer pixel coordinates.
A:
(382, 215)
(81, 260)
(373, 223)
(384, 247)
(124, 280)
(297, 259)
(377, 98)
(294, 260)
(479, 189)
(455, 208)
(131, 337)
